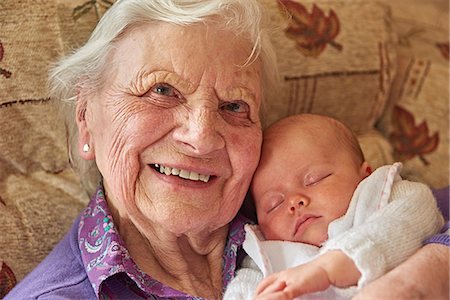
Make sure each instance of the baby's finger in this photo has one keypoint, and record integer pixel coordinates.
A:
(273, 287)
(265, 283)
(280, 295)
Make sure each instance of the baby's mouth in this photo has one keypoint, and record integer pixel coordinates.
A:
(194, 176)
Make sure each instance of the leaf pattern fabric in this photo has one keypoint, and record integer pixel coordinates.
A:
(7, 280)
(3, 72)
(410, 140)
(312, 32)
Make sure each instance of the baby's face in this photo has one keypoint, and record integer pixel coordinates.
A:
(304, 182)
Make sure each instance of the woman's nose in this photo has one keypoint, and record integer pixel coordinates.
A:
(199, 133)
(298, 202)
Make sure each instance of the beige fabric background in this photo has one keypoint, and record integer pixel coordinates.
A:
(422, 83)
(351, 84)
(39, 194)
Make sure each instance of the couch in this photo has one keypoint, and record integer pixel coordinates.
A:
(379, 66)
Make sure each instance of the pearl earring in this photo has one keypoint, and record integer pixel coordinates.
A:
(86, 148)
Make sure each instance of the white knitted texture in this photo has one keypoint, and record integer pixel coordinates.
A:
(391, 235)
(244, 285)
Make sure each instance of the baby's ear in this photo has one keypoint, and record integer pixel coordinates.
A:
(365, 169)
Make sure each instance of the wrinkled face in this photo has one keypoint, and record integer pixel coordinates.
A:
(303, 183)
(175, 129)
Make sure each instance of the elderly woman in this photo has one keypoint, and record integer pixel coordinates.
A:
(166, 96)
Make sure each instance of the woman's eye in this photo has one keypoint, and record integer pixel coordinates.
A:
(165, 90)
(163, 95)
(236, 107)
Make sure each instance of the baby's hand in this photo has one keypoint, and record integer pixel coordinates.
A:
(331, 268)
(293, 282)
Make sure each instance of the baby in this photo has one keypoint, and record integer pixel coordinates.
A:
(327, 224)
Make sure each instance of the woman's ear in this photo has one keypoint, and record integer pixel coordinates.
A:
(85, 142)
(365, 169)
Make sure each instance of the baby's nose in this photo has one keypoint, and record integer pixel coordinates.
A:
(298, 202)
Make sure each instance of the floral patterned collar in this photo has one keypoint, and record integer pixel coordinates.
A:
(112, 271)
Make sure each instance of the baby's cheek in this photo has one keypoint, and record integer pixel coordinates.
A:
(269, 232)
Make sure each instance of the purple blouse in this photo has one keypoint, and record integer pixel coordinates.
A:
(92, 262)
(111, 270)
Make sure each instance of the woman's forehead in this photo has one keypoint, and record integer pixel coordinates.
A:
(177, 42)
(192, 52)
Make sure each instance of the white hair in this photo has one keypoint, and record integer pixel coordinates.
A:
(86, 65)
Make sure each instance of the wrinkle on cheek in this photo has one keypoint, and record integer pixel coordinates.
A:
(233, 197)
(142, 196)
(117, 151)
(244, 164)
(123, 108)
(123, 173)
(122, 157)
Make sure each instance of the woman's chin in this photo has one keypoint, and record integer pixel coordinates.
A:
(183, 221)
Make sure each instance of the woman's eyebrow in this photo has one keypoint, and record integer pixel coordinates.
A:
(146, 77)
(239, 93)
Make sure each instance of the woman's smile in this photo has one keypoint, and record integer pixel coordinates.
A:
(185, 174)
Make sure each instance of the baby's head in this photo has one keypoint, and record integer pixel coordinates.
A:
(310, 166)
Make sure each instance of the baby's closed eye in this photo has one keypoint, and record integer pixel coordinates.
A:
(272, 202)
(315, 178)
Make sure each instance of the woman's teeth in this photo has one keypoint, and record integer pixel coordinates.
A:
(182, 173)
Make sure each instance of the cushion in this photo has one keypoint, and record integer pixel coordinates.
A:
(335, 57)
(376, 148)
(417, 116)
(39, 194)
